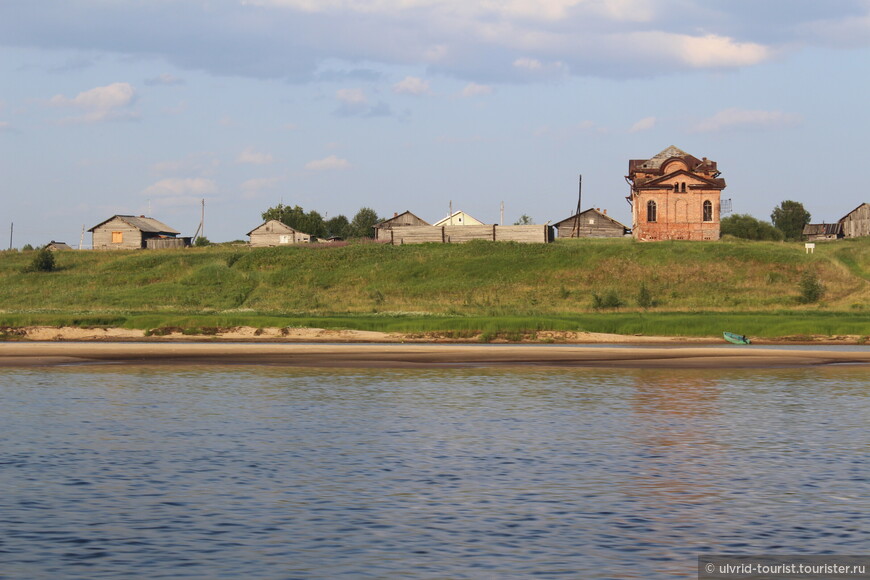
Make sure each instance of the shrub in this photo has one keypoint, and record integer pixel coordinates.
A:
(201, 241)
(609, 300)
(811, 288)
(43, 261)
(644, 298)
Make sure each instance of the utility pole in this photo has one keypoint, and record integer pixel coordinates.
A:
(82, 239)
(575, 232)
(501, 222)
(451, 212)
(11, 228)
(202, 220)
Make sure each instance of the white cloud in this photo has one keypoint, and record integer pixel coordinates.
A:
(474, 90)
(708, 51)
(100, 103)
(351, 96)
(528, 63)
(732, 118)
(330, 163)
(200, 163)
(644, 124)
(252, 157)
(181, 187)
(411, 86)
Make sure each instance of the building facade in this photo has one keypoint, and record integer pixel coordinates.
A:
(856, 223)
(127, 232)
(674, 196)
(383, 230)
(592, 223)
(275, 233)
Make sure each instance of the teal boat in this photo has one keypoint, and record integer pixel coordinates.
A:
(736, 338)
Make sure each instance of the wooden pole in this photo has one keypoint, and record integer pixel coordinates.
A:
(11, 228)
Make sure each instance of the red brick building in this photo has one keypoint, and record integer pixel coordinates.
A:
(674, 196)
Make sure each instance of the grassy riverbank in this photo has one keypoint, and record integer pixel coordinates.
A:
(690, 288)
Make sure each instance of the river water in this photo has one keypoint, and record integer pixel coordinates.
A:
(270, 472)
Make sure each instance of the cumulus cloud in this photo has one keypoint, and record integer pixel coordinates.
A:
(354, 103)
(476, 90)
(330, 163)
(735, 118)
(644, 124)
(181, 187)
(107, 103)
(496, 41)
(253, 157)
(411, 86)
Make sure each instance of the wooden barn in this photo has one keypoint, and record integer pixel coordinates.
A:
(275, 233)
(822, 232)
(57, 246)
(399, 220)
(856, 223)
(127, 232)
(592, 223)
(458, 218)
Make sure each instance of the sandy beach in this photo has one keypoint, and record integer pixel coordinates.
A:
(383, 355)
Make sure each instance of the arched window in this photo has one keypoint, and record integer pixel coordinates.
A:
(683, 187)
(676, 188)
(708, 211)
(650, 211)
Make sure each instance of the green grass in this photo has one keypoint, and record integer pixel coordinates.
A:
(697, 289)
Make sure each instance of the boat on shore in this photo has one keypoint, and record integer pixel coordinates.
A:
(736, 338)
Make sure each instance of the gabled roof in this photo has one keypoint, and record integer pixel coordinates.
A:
(141, 223)
(821, 229)
(851, 212)
(655, 163)
(278, 225)
(592, 210)
(396, 217)
(444, 221)
(714, 182)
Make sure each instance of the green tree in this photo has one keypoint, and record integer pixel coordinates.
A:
(361, 225)
(27, 248)
(338, 226)
(747, 227)
(309, 223)
(790, 217)
(524, 220)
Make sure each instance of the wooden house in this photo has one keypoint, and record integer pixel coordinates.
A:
(856, 223)
(458, 218)
(674, 196)
(822, 232)
(57, 246)
(127, 232)
(592, 223)
(275, 233)
(399, 220)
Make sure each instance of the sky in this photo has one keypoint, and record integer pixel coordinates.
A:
(150, 107)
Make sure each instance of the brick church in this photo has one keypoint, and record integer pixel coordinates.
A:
(674, 196)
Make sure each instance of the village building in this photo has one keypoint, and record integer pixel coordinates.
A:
(459, 218)
(674, 196)
(592, 223)
(276, 233)
(822, 232)
(127, 232)
(856, 223)
(57, 246)
(399, 220)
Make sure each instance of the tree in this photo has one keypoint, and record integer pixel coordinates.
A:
(27, 248)
(201, 241)
(338, 227)
(524, 220)
(790, 217)
(361, 225)
(747, 227)
(310, 223)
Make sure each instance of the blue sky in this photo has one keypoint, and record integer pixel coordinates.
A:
(125, 106)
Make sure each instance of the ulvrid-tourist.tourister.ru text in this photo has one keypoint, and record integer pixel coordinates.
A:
(789, 569)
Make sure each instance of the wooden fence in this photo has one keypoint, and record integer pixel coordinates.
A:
(538, 234)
